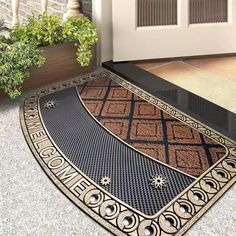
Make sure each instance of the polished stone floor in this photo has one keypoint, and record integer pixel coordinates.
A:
(211, 78)
(30, 204)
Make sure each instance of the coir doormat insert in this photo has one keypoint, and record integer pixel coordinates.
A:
(132, 162)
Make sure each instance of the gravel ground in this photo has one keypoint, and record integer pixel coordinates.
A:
(30, 204)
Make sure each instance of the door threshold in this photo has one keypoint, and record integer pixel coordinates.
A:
(199, 108)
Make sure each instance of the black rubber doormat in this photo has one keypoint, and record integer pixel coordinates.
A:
(124, 188)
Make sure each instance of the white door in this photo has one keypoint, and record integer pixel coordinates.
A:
(148, 29)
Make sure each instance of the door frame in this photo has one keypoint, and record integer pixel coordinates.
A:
(179, 39)
(102, 19)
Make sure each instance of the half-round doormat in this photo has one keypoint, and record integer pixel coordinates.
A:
(132, 162)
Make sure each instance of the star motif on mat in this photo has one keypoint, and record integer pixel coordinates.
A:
(158, 181)
(49, 104)
(105, 181)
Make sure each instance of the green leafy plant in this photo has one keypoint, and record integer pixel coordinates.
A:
(3, 31)
(15, 62)
(20, 51)
(45, 30)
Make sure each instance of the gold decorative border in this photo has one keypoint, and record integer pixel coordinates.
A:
(195, 200)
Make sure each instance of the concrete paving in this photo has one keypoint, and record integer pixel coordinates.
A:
(30, 204)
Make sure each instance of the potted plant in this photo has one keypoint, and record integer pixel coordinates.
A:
(46, 49)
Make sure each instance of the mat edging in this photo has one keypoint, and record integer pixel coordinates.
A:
(180, 223)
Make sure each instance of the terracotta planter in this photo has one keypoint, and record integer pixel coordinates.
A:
(60, 65)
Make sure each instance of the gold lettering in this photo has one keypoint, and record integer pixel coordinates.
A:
(32, 124)
(58, 162)
(37, 134)
(80, 188)
(65, 175)
(42, 141)
(47, 152)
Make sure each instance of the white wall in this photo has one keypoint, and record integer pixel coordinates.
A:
(102, 18)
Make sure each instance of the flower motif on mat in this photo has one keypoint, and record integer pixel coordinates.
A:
(49, 104)
(157, 181)
(105, 181)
